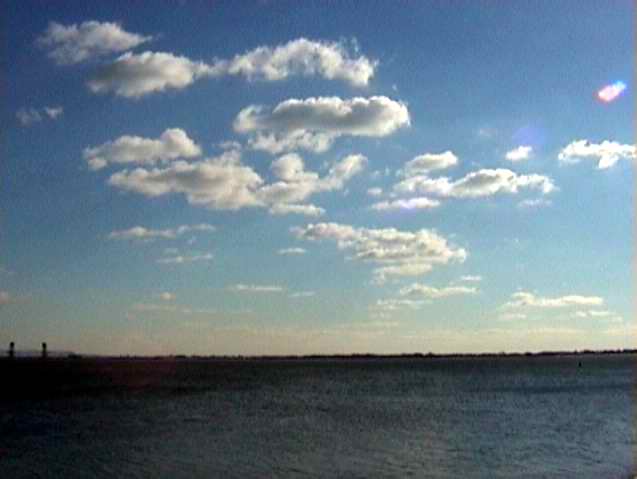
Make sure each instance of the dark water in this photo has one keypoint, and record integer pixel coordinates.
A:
(508, 417)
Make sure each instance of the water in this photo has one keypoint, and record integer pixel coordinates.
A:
(507, 417)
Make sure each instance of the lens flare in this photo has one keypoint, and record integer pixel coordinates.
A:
(611, 92)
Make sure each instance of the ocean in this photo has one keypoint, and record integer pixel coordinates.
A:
(482, 417)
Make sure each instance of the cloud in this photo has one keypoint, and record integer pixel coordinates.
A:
(534, 203)
(304, 57)
(29, 116)
(135, 75)
(75, 43)
(391, 305)
(146, 234)
(256, 288)
(166, 296)
(432, 292)
(471, 278)
(429, 162)
(526, 299)
(511, 316)
(520, 153)
(398, 253)
(291, 251)
(410, 204)
(173, 143)
(302, 294)
(5, 298)
(375, 192)
(224, 183)
(180, 259)
(607, 153)
(314, 123)
(481, 183)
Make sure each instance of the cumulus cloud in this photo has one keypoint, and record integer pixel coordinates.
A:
(29, 116)
(167, 296)
(256, 288)
(397, 253)
(375, 192)
(224, 183)
(427, 162)
(481, 183)
(146, 234)
(173, 143)
(520, 153)
(410, 204)
(75, 43)
(182, 259)
(431, 292)
(135, 75)
(314, 123)
(329, 60)
(291, 251)
(606, 153)
(525, 299)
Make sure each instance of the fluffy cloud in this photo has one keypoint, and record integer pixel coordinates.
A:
(410, 204)
(432, 292)
(29, 116)
(166, 296)
(135, 75)
(75, 43)
(398, 253)
(481, 183)
(471, 278)
(520, 153)
(146, 234)
(534, 203)
(181, 259)
(375, 192)
(526, 299)
(292, 251)
(390, 305)
(329, 60)
(314, 123)
(172, 144)
(607, 153)
(224, 183)
(427, 162)
(256, 288)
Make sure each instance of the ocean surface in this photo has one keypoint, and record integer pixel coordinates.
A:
(548, 416)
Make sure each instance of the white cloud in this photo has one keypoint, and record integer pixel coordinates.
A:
(534, 203)
(135, 75)
(607, 153)
(181, 259)
(329, 60)
(398, 253)
(224, 183)
(172, 144)
(432, 292)
(5, 298)
(375, 192)
(302, 294)
(75, 43)
(511, 316)
(291, 251)
(256, 288)
(526, 299)
(167, 296)
(471, 278)
(427, 162)
(314, 123)
(520, 153)
(146, 234)
(481, 183)
(29, 116)
(410, 204)
(390, 305)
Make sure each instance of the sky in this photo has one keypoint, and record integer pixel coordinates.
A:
(280, 177)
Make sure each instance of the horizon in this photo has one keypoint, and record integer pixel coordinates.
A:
(244, 180)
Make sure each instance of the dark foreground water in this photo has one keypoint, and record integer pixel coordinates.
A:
(460, 418)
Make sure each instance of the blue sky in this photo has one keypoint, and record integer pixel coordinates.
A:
(276, 177)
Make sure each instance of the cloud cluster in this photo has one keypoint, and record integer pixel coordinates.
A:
(431, 292)
(146, 234)
(427, 162)
(173, 143)
(75, 43)
(520, 153)
(607, 153)
(397, 253)
(314, 123)
(224, 183)
(525, 299)
(29, 116)
(476, 184)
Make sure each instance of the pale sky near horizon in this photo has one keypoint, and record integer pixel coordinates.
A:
(277, 177)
